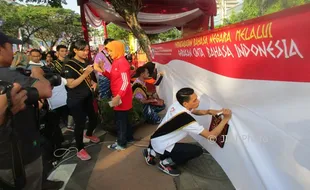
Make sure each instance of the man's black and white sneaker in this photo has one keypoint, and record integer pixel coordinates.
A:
(149, 159)
(168, 169)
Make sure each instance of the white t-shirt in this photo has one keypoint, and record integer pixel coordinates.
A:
(59, 96)
(176, 125)
(33, 64)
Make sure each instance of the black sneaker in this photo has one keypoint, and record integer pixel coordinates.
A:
(149, 159)
(52, 185)
(168, 169)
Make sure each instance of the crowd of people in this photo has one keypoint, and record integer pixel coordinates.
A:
(82, 81)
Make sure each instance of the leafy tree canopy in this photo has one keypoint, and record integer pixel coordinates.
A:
(45, 23)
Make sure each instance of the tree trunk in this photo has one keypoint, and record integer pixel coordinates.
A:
(46, 45)
(52, 45)
(129, 10)
(140, 34)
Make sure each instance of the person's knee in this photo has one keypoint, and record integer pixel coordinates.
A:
(198, 151)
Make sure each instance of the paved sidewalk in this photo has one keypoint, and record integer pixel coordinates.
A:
(127, 170)
(203, 173)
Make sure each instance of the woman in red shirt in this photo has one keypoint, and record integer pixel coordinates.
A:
(121, 91)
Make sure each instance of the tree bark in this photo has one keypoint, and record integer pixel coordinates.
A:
(140, 34)
(128, 9)
(46, 45)
(52, 44)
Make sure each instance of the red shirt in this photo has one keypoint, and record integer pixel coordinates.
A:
(120, 82)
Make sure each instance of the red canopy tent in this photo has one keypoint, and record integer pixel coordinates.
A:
(156, 16)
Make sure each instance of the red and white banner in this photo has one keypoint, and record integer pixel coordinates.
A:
(268, 48)
(260, 69)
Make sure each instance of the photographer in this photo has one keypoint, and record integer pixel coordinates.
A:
(12, 103)
(24, 123)
(18, 98)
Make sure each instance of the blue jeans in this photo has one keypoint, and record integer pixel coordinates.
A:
(124, 129)
(150, 113)
(104, 87)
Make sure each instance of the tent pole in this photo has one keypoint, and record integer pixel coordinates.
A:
(212, 22)
(84, 25)
(104, 24)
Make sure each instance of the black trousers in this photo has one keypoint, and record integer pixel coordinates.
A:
(124, 129)
(79, 109)
(52, 131)
(182, 152)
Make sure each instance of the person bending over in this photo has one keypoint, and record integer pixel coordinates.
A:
(175, 126)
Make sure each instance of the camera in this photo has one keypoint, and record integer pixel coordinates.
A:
(32, 93)
(53, 78)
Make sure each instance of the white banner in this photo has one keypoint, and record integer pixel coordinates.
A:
(267, 144)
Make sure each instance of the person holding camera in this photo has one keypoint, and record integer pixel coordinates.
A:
(12, 101)
(80, 87)
(18, 97)
(175, 126)
(24, 123)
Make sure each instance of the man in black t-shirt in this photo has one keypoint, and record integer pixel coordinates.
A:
(24, 122)
(61, 51)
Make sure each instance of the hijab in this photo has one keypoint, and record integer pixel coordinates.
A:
(116, 49)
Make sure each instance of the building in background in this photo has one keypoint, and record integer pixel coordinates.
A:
(225, 8)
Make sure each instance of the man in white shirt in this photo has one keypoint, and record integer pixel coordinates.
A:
(35, 59)
(176, 125)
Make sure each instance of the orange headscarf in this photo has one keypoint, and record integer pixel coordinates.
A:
(116, 49)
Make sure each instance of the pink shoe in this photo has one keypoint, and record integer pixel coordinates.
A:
(83, 155)
(93, 138)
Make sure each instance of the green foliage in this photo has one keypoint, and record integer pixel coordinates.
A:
(107, 113)
(117, 32)
(165, 36)
(255, 8)
(64, 23)
(52, 3)
(45, 23)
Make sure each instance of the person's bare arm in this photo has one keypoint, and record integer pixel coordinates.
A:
(72, 83)
(100, 64)
(18, 98)
(42, 85)
(206, 112)
(147, 101)
(211, 135)
(3, 107)
(97, 68)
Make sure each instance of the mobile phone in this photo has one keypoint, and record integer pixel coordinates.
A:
(86, 68)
